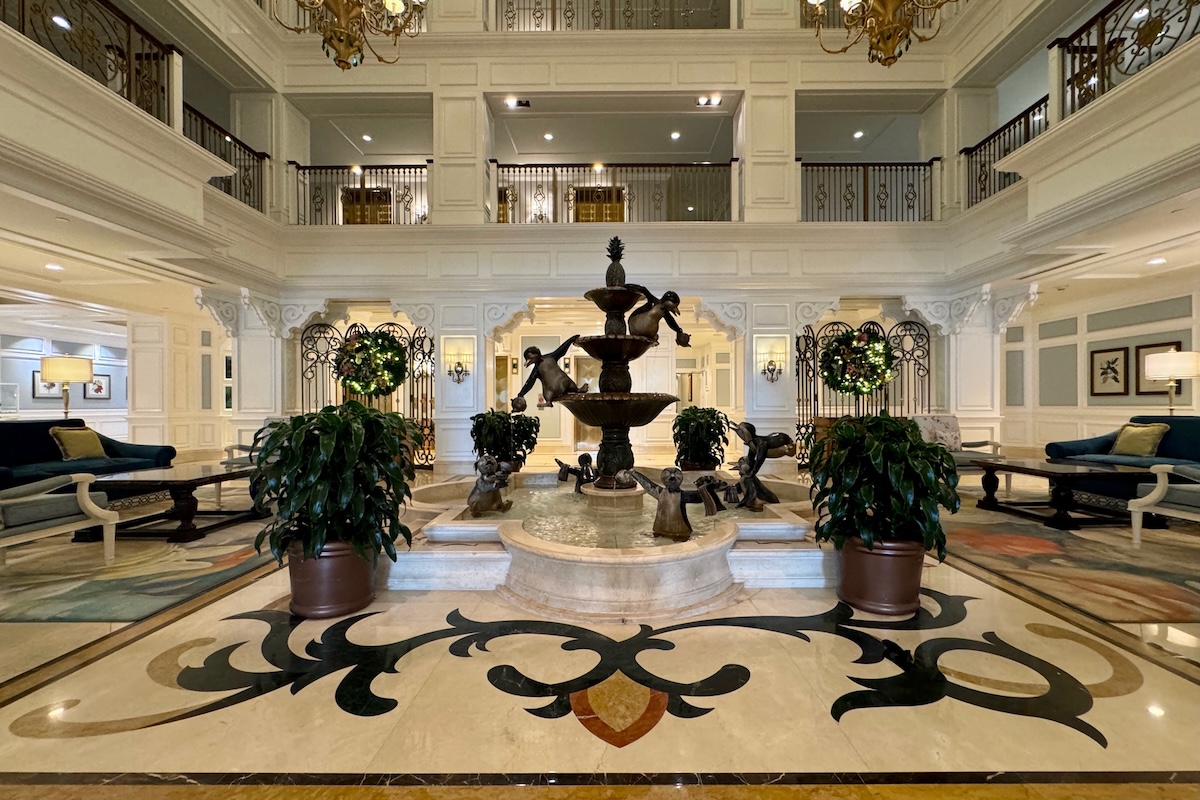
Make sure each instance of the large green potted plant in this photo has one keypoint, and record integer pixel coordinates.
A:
(508, 437)
(877, 487)
(700, 437)
(338, 478)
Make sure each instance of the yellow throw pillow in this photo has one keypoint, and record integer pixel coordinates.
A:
(77, 443)
(1137, 439)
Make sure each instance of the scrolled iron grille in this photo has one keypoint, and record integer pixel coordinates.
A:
(319, 386)
(867, 192)
(982, 180)
(382, 195)
(909, 393)
(835, 18)
(100, 42)
(584, 15)
(244, 185)
(1119, 42)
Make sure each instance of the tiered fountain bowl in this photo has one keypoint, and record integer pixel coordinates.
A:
(615, 409)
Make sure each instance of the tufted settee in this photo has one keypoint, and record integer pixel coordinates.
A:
(29, 453)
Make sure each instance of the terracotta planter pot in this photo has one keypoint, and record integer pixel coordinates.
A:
(340, 582)
(883, 580)
(698, 466)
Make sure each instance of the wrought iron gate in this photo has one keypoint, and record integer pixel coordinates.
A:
(909, 393)
(319, 345)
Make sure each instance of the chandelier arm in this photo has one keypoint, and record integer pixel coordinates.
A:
(374, 52)
(303, 5)
(936, 31)
(930, 5)
(846, 48)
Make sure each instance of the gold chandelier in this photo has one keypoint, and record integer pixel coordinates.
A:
(346, 25)
(888, 25)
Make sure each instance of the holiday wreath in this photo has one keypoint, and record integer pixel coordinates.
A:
(857, 362)
(371, 364)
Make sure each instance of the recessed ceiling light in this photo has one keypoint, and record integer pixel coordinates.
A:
(691, 208)
(511, 102)
(1156, 711)
(598, 167)
(711, 100)
(858, 134)
(548, 136)
(61, 22)
(701, 101)
(675, 134)
(55, 267)
(62, 219)
(366, 137)
(1154, 262)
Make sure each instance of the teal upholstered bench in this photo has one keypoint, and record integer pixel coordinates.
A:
(1181, 500)
(31, 512)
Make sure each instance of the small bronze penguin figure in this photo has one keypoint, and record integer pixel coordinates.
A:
(584, 473)
(485, 495)
(644, 319)
(670, 520)
(555, 382)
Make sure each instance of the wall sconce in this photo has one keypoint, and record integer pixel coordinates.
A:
(458, 367)
(773, 369)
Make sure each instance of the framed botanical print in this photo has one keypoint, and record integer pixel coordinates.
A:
(1145, 386)
(1110, 372)
(98, 388)
(43, 390)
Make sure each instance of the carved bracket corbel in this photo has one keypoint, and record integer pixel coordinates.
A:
(224, 309)
(1007, 307)
(421, 315)
(728, 318)
(949, 314)
(809, 312)
(502, 318)
(282, 319)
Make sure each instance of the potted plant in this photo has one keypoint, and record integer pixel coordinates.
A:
(700, 437)
(339, 478)
(508, 437)
(877, 487)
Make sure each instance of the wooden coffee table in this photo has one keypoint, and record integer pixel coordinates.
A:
(181, 482)
(1062, 478)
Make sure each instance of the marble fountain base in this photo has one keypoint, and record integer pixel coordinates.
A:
(454, 552)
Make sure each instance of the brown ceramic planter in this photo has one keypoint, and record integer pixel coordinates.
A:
(340, 582)
(883, 580)
(698, 466)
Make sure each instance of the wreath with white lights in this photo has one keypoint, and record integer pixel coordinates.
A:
(857, 362)
(371, 364)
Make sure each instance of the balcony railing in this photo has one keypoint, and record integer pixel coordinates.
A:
(1119, 42)
(982, 180)
(247, 183)
(610, 15)
(867, 192)
(613, 193)
(391, 195)
(101, 42)
(835, 18)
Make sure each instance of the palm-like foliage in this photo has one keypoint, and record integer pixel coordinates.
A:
(875, 477)
(508, 437)
(341, 473)
(700, 435)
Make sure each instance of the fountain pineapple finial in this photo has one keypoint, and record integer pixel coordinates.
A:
(615, 276)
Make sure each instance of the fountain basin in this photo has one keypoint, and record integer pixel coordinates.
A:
(615, 348)
(614, 299)
(617, 409)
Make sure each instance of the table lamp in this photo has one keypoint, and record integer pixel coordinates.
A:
(66, 370)
(1172, 366)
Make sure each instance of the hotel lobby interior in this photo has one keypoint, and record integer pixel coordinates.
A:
(446, 291)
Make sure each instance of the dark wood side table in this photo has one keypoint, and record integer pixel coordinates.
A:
(1062, 478)
(181, 483)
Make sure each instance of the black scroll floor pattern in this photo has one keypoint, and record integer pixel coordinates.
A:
(919, 680)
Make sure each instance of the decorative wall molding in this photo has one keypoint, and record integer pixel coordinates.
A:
(282, 319)
(809, 312)
(421, 315)
(1007, 307)
(728, 318)
(502, 318)
(224, 309)
(949, 314)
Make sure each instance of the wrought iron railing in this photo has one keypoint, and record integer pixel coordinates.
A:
(610, 15)
(613, 193)
(982, 180)
(867, 192)
(387, 195)
(1119, 42)
(101, 42)
(836, 18)
(247, 183)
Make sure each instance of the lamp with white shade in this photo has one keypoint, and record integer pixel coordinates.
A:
(66, 370)
(1171, 367)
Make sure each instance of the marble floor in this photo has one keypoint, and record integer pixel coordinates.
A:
(456, 694)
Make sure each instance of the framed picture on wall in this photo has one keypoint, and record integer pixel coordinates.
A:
(1145, 385)
(98, 388)
(43, 390)
(1110, 372)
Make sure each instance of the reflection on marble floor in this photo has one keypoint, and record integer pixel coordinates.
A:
(785, 681)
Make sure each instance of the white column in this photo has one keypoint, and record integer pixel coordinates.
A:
(960, 118)
(269, 123)
(770, 407)
(1054, 112)
(462, 135)
(458, 325)
(455, 16)
(257, 377)
(765, 129)
(974, 377)
(175, 89)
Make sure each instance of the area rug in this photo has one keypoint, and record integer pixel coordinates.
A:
(57, 580)
(1093, 570)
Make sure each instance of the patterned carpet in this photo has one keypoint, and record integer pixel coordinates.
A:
(1094, 570)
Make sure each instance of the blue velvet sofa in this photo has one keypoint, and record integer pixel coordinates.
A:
(1180, 447)
(29, 453)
